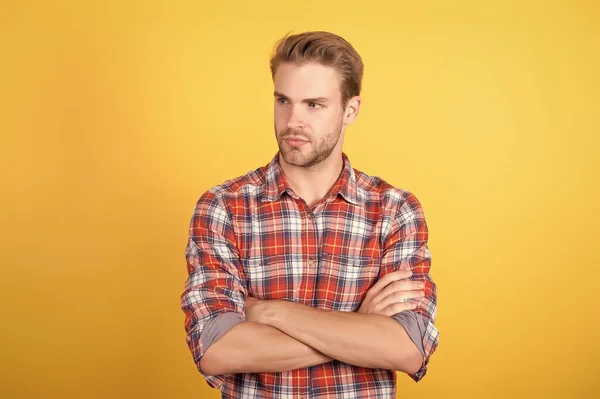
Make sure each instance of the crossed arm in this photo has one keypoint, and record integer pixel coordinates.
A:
(280, 336)
(272, 336)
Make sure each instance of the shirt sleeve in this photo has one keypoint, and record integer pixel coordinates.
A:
(214, 296)
(405, 247)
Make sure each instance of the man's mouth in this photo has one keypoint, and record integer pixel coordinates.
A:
(296, 141)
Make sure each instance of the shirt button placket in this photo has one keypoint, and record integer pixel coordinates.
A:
(313, 261)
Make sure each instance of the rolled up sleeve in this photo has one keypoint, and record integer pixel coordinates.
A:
(405, 247)
(213, 300)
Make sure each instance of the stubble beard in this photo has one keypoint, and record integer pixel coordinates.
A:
(319, 152)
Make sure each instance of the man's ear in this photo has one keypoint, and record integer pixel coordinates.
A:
(352, 109)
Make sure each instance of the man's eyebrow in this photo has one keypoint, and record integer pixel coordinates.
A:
(306, 100)
(316, 100)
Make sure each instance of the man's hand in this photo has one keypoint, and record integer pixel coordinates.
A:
(392, 293)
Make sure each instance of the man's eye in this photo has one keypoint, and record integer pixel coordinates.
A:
(281, 100)
(313, 105)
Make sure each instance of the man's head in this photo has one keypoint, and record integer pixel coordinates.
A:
(317, 78)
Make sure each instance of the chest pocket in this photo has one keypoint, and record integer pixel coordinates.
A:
(273, 277)
(343, 281)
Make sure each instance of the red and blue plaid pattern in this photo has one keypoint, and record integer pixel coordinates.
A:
(253, 236)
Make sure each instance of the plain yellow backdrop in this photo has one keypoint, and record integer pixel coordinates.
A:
(116, 116)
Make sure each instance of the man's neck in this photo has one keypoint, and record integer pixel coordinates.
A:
(313, 183)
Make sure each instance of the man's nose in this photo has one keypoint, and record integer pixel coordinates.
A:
(295, 119)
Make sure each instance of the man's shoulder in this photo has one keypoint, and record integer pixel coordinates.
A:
(376, 189)
(252, 183)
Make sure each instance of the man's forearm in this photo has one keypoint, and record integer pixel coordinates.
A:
(251, 347)
(364, 340)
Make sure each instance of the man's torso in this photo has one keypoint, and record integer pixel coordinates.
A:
(326, 256)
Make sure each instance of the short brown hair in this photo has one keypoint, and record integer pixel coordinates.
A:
(324, 48)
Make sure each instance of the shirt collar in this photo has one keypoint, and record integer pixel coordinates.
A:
(276, 183)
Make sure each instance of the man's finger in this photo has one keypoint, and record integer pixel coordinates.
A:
(399, 296)
(397, 308)
(388, 279)
(400, 285)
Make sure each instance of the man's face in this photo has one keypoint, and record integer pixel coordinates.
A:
(308, 113)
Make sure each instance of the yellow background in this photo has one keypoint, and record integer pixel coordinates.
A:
(116, 116)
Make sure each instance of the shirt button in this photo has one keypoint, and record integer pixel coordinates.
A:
(311, 263)
(310, 215)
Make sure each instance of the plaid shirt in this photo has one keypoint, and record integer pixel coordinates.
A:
(253, 236)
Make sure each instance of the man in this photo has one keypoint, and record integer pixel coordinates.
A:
(308, 278)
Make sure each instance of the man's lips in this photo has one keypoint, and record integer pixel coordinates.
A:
(296, 141)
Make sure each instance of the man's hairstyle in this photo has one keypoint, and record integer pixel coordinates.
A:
(324, 48)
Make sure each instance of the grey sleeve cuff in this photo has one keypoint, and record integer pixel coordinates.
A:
(215, 328)
(415, 327)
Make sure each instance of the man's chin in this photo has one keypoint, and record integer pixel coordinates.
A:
(294, 157)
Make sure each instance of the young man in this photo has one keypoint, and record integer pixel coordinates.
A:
(308, 278)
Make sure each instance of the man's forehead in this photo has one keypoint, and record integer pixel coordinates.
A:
(306, 81)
